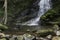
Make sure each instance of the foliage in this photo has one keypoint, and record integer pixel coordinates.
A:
(52, 15)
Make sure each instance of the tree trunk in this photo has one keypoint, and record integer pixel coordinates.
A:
(5, 14)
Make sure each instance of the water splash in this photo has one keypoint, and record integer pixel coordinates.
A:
(44, 6)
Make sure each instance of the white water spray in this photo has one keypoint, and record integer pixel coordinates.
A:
(44, 6)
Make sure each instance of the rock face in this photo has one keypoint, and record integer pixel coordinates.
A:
(29, 13)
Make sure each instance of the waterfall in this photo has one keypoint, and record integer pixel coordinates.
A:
(44, 6)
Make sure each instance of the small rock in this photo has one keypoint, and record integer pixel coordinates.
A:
(56, 38)
(3, 39)
(49, 36)
(58, 33)
(2, 34)
(20, 37)
(28, 36)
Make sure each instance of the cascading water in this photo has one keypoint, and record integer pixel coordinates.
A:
(44, 6)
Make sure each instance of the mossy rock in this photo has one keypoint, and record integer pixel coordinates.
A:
(3, 26)
(45, 32)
